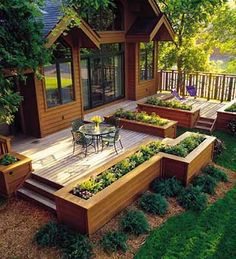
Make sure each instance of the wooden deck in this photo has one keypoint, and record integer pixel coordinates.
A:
(52, 156)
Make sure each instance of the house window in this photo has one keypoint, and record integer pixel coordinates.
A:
(107, 19)
(146, 60)
(59, 77)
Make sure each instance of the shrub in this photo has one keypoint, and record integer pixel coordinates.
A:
(79, 247)
(232, 126)
(192, 198)
(134, 222)
(206, 183)
(218, 148)
(114, 241)
(153, 203)
(167, 187)
(232, 108)
(216, 173)
(3, 200)
(47, 236)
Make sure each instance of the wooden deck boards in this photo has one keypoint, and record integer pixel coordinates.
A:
(52, 156)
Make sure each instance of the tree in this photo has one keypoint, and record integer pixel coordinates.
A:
(22, 45)
(188, 19)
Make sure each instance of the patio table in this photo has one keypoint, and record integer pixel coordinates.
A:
(96, 134)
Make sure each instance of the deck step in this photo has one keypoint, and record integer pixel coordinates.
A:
(206, 119)
(46, 181)
(37, 198)
(41, 188)
(203, 128)
(202, 122)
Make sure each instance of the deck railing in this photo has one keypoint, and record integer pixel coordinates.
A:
(209, 85)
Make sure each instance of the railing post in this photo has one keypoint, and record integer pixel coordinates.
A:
(209, 88)
(203, 85)
(223, 89)
(230, 89)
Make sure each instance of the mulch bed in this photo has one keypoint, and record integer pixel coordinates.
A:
(19, 220)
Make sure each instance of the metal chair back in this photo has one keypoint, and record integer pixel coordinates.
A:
(76, 124)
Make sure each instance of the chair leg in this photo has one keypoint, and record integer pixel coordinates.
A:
(86, 150)
(74, 148)
(115, 148)
(121, 144)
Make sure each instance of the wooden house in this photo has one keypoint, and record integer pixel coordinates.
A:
(112, 55)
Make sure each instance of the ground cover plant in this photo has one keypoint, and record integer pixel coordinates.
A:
(170, 104)
(216, 173)
(227, 158)
(232, 108)
(114, 241)
(73, 245)
(206, 183)
(170, 187)
(153, 203)
(142, 117)
(208, 234)
(134, 222)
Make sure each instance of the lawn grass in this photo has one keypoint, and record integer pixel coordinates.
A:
(209, 234)
(228, 158)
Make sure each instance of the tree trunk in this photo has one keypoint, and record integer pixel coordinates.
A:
(180, 83)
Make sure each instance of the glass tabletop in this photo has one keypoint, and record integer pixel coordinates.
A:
(89, 129)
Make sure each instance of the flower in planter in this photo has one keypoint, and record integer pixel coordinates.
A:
(8, 159)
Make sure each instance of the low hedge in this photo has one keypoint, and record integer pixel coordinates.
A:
(170, 104)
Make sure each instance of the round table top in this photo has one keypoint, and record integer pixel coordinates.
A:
(89, 129)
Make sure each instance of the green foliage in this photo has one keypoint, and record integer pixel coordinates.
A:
(216, 173)
(232, 108)
(134, 222)
(232, 126)
(142, 117)
(3, 200)
(206, 183)
(170, 187)
(72, 244)
(192, 198)
(170, 104)
(93, 185)
(114, 242)
(186, 146)
(153, 203)
(219, 148)
(8, 159)
(209, 234)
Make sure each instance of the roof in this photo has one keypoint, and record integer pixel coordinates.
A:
(51, 15)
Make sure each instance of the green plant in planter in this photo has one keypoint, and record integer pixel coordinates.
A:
(8, 159)
(206, 183)
(153, 203)
(114, 241)
(107, 178)
(232, 126)
(192, 198)
(170, 187)
(232, 108)
(134, 222)
(216, 173)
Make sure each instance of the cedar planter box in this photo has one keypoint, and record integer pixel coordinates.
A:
(13, 176)
(224, 117)
(87, 216)
(184, 118)
(184, 169)
(166, 131)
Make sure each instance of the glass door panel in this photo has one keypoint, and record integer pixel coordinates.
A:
(84, 66)
(109, 78)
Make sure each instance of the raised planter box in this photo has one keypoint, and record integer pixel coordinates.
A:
(13, 176)
(224, 117)
(166, 131)
(184, 169)
(184, 118)
(87, 216)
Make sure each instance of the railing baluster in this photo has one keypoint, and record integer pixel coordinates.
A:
(223, 89)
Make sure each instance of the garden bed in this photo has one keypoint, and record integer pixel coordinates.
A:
(224, 117)
(13, 176)
(185, 168)
(185, 118)
(87, 216)
(165, 131)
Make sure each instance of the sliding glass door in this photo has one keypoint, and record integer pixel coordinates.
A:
(102, 74)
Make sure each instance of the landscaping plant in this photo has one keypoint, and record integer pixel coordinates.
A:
(142, 117)
(153, 203)
(218, 148)
(114, 241)
(134, 222)
(170, 104)
(170, 187)
(232, 126)
(192, 198)
(8, 159)
(232, 108)
(206, 183)
(216, 173)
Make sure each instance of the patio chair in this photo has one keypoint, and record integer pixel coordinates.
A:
(176, 95)
(112, 139)
(76, 124)
(80, 139)
(191, 90)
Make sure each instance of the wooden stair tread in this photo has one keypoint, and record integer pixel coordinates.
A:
(39, 199)
(205, 122)
(202, 127)
(40, 185)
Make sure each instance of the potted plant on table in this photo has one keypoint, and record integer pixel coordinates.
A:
(97, 120)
